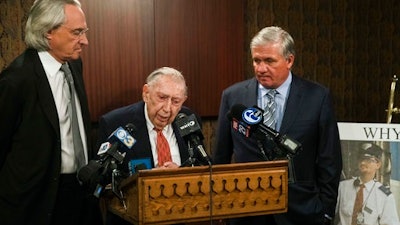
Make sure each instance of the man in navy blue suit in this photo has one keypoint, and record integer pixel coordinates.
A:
(163, 95)
(304, 112)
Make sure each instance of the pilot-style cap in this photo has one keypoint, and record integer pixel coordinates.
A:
(369, 150)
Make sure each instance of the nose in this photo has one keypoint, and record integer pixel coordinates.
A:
(83, 39)
(167, 105)
(262, 67)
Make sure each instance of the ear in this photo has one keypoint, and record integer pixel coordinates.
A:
(290, 61)
(378, 164)
(145, 92)
(49, 35)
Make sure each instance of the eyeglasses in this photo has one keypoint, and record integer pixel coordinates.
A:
(77, 32)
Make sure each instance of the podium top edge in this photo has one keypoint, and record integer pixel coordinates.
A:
(207, 169)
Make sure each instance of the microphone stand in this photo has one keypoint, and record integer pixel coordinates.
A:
(191, 161)
(291, 175)
(116, 178)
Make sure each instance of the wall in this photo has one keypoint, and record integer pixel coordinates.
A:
(348, 46)
(131, 38)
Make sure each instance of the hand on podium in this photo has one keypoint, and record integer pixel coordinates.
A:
(168, 165)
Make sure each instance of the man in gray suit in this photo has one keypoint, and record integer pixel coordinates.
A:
(304, 112)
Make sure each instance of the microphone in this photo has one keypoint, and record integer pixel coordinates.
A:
(190, 130)
(247, 121)
(121, 137)
(97, 172)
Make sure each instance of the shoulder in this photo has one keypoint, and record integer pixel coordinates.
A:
(348, 182)
(308, 84)
(22, 73)
(384, 189)
(23, 65)
(131, 111)
(309, 89)
(249, 83)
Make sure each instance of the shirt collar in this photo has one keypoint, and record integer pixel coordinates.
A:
(150, 125)
(50, 64)
(369, 185)
(282, 90)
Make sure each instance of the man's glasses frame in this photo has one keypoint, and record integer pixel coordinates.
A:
(78, 32)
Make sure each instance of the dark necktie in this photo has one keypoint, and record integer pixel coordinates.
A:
(358, 204)
(76, 135)
(269, 111)
(163, 152)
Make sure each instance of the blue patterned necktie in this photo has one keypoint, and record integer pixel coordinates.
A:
(269, 111)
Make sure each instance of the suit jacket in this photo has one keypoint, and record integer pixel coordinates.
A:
(141, 149)
(308, 118)
(30, 150)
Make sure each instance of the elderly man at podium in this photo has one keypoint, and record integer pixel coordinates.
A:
(157, 135)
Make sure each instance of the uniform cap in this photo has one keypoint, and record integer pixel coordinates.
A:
(369, 150)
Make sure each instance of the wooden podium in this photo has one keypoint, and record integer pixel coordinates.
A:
(182, 195)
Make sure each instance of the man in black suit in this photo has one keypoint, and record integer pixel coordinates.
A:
(37, 158)
(303, 111)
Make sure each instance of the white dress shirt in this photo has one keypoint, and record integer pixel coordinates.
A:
(56, 80)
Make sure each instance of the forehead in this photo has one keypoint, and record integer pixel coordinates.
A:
(169, 85)
(74, 15)
(266, 50)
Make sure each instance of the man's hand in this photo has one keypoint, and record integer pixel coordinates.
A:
(168, 165)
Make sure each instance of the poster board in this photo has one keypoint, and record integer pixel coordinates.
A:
(387, 136)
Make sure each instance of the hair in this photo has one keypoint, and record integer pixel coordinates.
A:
(168, 71)
(44, 16)
(274, 34)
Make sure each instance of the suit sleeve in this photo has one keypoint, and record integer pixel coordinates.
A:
(329, 161)
(223, 150)
(10, 105)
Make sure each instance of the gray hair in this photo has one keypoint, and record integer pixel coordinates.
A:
(153, 77)
(44, 16)
(274, 34)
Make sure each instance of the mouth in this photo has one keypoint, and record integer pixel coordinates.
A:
(163, 118)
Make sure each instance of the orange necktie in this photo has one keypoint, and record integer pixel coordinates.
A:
(163, 152)
(358, 204)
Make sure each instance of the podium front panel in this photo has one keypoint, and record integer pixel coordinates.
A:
(183, 195)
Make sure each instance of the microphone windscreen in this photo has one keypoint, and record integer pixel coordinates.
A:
(180, 116)
(130, 128)
(237, 111)
(89, 172)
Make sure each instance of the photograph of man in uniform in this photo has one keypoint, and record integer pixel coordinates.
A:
(362, 199)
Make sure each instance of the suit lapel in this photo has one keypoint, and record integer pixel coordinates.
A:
(250, 93)
(76, 69)
(293, 105)
(45, 95)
